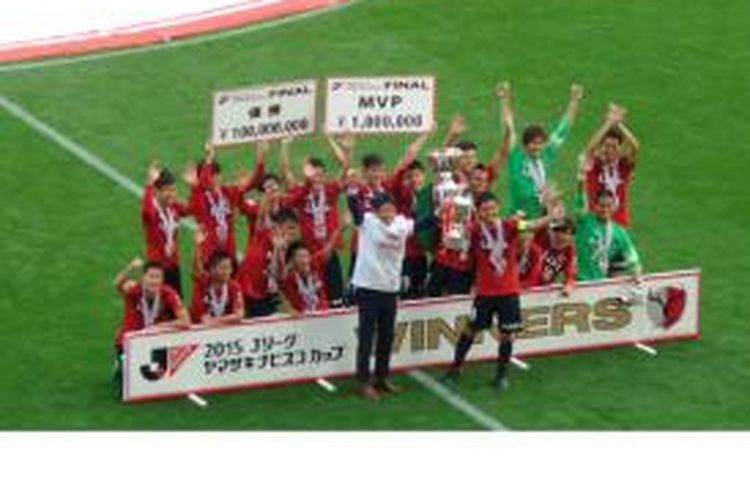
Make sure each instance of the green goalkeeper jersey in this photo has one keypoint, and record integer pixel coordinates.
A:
(528, 175)
(602, 246)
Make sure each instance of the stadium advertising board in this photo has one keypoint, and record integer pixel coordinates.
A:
(380, 105)
(264, 112)
(287, 349)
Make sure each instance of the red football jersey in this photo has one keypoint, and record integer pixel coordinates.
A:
(556, 262)
(142, 312)
(318, 212)
(214, 211)
(307, 293)
(530, 265)
(495, 250)
(215, 301)
(259, 272)
(161, 226)
(615, 178)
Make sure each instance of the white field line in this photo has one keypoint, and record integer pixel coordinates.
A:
(111, 172)
(182, 42)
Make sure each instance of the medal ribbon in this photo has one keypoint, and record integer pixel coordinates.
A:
(150, 313)
(218, 304)
(168, 225)
(219, 209)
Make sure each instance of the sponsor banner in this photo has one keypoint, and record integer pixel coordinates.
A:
(264, 113)
(380, 105)
(287, 349)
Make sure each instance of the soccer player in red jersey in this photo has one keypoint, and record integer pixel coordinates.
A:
(610, 163)
(529, 260)
(261, 270)
(451, 269)
(304, 282)
(213, 204)
(558, 255)
(217, 298)
(148, 303)
(316, 202)
(497, 286)
(260, 212)
(161, 212)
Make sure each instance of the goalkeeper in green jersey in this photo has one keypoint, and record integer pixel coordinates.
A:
(604, 247)
(530, 164)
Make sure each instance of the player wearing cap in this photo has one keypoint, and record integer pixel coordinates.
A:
(497, 285)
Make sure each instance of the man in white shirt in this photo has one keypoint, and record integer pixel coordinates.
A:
(377, 280)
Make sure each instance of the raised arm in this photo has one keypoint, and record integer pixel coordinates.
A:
(197, 268)
(612, 118)
(561, 131)
(209, 153)
(412, 152)
(455, 129)
(248, 182)
(285, 163)
(341, 152)
(580, 203)
(576, 95)
(500, 157)
(123, 282)
(633, 146)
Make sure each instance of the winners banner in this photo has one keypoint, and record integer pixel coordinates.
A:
(264, 112)
(286, 349)
(380, 105)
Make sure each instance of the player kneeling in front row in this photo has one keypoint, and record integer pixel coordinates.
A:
(497, 285)
(217, 298)
(148, 302)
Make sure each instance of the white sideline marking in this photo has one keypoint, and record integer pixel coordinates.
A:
(457, 402)
(182, 42)
(520, 363)
(197, 400)
(646, 348)
(104, 168)
(325, 384)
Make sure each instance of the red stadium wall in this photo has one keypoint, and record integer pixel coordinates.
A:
(161, 30)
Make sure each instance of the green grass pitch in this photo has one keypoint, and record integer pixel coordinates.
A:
(681, 68)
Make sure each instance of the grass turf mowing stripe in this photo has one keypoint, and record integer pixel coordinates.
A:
(457, 401)
(111, 172)
(199, 39)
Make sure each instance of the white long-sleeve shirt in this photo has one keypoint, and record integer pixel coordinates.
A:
(380, 252)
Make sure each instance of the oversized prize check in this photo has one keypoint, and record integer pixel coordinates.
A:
(264, 112)
(284, 349)
(380, 105)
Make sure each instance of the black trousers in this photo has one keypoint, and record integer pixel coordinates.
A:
(335, 280)
(172, 278)
(377, 322)
(266, 306)
(448, 281)
(415, 274)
